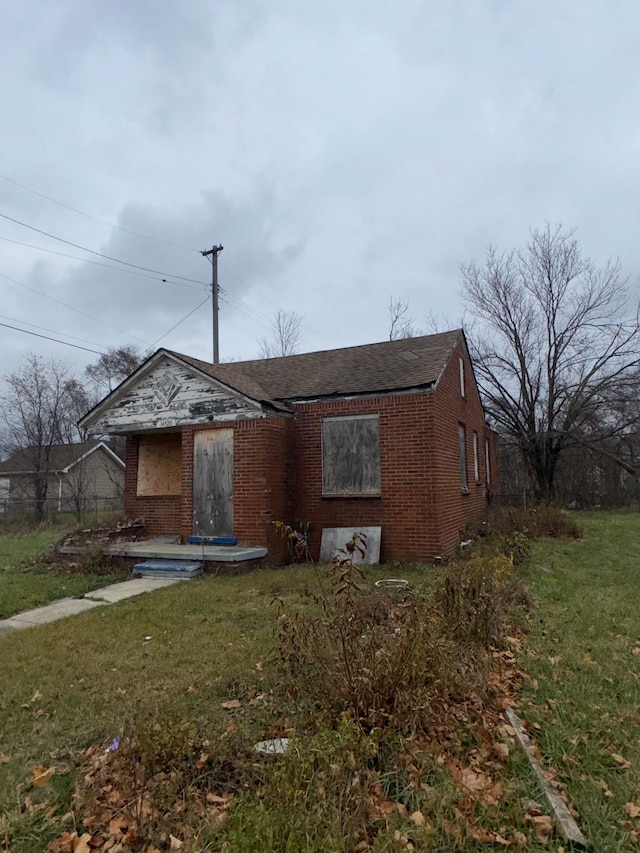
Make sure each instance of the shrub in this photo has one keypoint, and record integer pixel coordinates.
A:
(384, 659)
(473, 598)
(556, 522)
(543, 520)
(516, 546)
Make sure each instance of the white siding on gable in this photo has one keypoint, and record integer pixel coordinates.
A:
(171, 395)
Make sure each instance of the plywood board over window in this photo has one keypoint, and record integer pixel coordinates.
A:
(160, 465)
(351, 455)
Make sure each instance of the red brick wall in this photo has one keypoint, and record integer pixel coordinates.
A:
(406, 448)
(161, 513)
(455, 507)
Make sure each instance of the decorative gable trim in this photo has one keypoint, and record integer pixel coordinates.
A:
(179, 394)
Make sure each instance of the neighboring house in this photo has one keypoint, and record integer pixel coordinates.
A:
(390, 434)
(80, 477)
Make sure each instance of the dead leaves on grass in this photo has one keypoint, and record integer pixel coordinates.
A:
(622, 763)
(542, 824)
(40, 776)
(120, 813)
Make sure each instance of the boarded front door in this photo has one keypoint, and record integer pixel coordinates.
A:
(213, 483)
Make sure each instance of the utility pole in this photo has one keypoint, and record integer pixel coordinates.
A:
(212, 254)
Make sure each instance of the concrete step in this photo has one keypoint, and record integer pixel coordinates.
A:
(178, 569)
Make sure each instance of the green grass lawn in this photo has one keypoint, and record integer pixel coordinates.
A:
(25, 583)
(180, 653)
(582, 659)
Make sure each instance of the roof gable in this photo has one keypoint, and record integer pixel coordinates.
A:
(166, 392)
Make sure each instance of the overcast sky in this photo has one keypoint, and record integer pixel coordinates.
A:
(341, 151)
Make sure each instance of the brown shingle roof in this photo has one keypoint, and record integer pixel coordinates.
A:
(383, 367)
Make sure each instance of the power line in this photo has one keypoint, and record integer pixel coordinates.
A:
(245, 309)
(249, 287)
(273, 325)
(165, 278)
(98, 264)
(96, 218)
(45, 329)
(99, 254)
(154, 344)
(70, 307)
(48, 338)
(258, 314)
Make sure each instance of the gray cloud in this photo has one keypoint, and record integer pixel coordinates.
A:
(340, 153)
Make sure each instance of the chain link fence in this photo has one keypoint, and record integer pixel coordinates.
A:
(89, 509)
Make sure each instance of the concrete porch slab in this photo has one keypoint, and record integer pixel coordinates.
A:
(152, 549)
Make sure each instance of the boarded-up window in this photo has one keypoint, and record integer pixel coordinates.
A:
(160, 465)
(351, 455)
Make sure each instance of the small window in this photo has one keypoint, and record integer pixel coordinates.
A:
(476, 465)
(461, 362)
(462, 441)
(487, 461)
(351, 455)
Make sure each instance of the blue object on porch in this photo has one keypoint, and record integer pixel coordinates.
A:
(212, 540)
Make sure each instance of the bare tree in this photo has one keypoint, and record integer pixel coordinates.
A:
(400, 320)
(286, 336)
(77, 403)
(113, 367)
(552, 355)
(36, 412)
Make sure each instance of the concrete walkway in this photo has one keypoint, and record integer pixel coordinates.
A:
(71, 606)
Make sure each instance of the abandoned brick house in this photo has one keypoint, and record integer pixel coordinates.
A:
(389, 434)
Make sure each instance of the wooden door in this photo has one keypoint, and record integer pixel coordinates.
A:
(213, 483)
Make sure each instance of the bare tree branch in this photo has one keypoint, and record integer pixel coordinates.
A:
(113, 367)
(400, 320)
(286, 336)
(551, 351)
(39, 409)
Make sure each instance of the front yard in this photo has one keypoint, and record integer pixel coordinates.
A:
(26, 582)
(195, 664)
